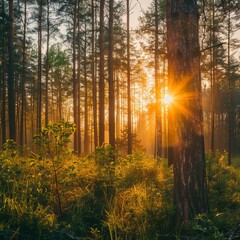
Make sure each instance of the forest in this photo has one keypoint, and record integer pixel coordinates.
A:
(114, 128)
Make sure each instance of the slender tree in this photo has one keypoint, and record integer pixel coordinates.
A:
(39, 79)
(74, 79)
(86, 125)
(111, 90)
(47, 65)
(94, 84)
(3, 97)
(11, 85)
(78, 130)
(129, 82)
(158, 140)
(213, 77)
(187, 153)
(230, 86)
(23, 102)
(101, 77)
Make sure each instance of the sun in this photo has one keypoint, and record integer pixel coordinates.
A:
(167, 99)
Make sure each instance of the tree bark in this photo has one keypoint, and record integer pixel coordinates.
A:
(78, 130)
(74, 80)
(158, 138)
(111, 89)
(11, 85)
(86, 125)
(186, 121)
(129, 82)
(47, 66)
(23, 95)
(39, 80)
(230, 91)
(213, 79)
(101, 78)
(3, 105)
(94, 85)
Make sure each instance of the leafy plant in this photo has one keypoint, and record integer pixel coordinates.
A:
(52, 144)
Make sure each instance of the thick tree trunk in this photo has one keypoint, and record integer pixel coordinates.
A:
(186, 127)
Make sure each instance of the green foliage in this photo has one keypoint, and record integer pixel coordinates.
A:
(205, 228)
(53, 194)
(122, 142)
(53, 139)
(224, 191)
(106, 161)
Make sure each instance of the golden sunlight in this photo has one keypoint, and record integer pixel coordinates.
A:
(167, 99)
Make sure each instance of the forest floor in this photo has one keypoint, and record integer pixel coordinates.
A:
(56, 195)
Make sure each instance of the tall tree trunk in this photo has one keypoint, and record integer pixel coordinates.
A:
(94, 84)
(23, 95)
(86, 132)
(230, 91)
(129, 82)
(158, 137)
(190, 193)
(78, 130)
(74, 79)
(111, 90)
(11, 87)
(47, 65)
(39, 80)
(213, 80)
(118, 114)
(3, 106)
(101, 78)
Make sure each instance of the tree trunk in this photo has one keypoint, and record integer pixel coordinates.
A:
(186, 123)
(86, 132)
(129, 82)
(118, 112)
(158, 138)
(47, 66)
(3, 106)
(11, 87)
(111, 90)
(94, 85)
(213, 79)
(74, 80)
(101, 78)
(23, 95)
(230, 92)
(78, 130)
(39, 81)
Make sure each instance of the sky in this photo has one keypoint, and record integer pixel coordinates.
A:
(137, 6)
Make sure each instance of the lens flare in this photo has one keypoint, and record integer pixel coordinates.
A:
(167, 99)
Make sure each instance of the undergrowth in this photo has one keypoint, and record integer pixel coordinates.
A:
(52, 194)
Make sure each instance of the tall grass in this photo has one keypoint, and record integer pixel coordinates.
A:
(106, 197)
